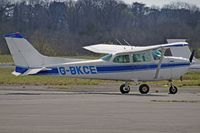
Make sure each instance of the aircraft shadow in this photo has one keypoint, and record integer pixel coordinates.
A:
(117, 94)
(89, 93)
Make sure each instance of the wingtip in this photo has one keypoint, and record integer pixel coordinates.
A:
(14, 35)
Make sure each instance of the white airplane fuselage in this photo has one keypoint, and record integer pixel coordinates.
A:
(171, 68)
(126, 63)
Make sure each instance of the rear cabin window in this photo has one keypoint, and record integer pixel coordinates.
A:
(141, 57)
(122, 59)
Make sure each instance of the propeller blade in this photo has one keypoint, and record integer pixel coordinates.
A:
(192, 56)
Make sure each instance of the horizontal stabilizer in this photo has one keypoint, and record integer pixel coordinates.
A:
(35, 71)
(16, 73)
(30, 71)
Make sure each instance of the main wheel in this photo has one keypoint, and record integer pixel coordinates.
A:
(173, 90)
(124, 90)
(144, 89)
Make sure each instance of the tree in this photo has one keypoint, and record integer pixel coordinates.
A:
(64, 27)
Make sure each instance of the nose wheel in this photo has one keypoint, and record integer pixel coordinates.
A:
(173, 89)
(125, 88)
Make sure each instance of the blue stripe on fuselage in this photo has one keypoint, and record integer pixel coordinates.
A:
(108, 69)
(20, 69)
(105, 69)
(111, 69)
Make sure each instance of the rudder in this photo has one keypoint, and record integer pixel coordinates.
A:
(23, 53)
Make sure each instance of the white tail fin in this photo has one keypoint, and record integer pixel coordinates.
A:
(27, 59)
(23, 53)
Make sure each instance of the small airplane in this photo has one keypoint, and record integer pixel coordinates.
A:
(121, 62)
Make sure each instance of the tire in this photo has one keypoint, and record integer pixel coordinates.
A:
(144, 89)
(124, 90)
(173, 90)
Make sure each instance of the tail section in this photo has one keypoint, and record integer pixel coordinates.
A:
(23, 53)
(28, 60)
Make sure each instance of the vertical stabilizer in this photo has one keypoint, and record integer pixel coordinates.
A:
(23, 53)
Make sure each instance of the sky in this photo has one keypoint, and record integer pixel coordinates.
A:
(160, 3)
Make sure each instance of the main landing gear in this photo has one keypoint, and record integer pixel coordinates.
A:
(144, 88)
(125, 88)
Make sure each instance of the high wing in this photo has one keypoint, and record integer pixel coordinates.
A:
(112, 48)
(108, 48)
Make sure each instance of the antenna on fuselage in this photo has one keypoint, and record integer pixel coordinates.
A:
(128, 43)
(120, 43)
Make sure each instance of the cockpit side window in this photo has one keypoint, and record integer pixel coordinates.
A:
(142, 57)
(137, 58)
(122, 59)
(157, 54)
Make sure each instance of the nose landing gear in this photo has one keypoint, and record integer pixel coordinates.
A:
(172, 89)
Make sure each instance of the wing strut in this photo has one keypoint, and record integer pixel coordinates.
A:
(160, 63)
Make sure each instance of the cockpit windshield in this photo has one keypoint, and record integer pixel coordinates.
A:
(107, 57)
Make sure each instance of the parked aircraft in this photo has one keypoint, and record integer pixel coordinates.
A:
(121, 62)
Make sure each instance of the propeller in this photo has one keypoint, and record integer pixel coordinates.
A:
(192, 56)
